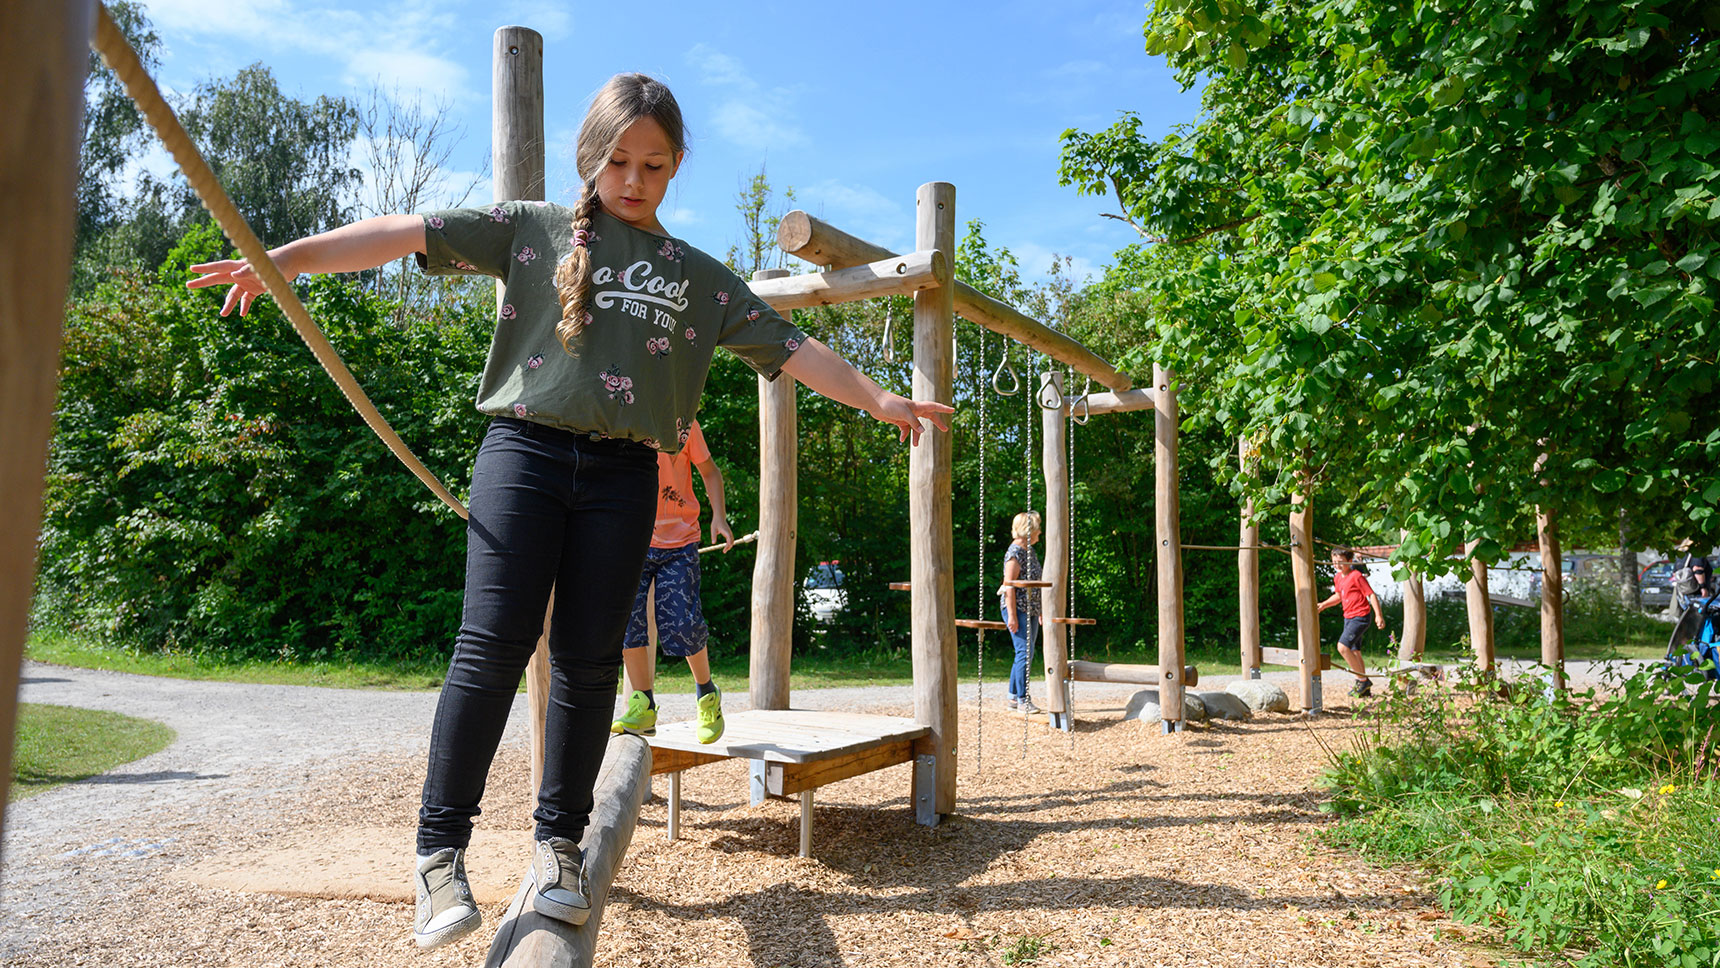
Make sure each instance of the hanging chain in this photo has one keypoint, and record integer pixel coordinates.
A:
(979, 612)
(1069, 573)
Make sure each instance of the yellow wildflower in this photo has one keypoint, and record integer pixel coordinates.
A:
(1559, 804)
(1669, 788)
(1661, 886)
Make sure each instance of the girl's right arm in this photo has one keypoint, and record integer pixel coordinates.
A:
(351, 248)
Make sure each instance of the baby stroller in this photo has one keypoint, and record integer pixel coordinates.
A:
(1695, 638)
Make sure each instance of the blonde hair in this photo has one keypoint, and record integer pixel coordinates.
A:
(623, 100)
(1024, 524)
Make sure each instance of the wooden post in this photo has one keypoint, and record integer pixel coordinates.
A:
(526, 939)
(1054, 600)
(1168, 531)
(1552, 597)
(778, 522)
(1414, 615)
(1480, 608)
(1248, 573)
(1307, 599)
(516, 103)
(44, 55)
(516, 155)
(930, 513)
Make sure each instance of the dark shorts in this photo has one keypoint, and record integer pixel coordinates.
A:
(1355, 629)
(681, 629)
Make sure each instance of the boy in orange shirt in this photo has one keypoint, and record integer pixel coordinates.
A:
(672, 564)
(1358, 597)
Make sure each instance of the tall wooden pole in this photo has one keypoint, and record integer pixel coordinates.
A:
(44, 55)
(778, 522)
(1414, 617)
(517, 157)
(1168, 531)
(1054, 600)
(1248, 573)
(1480, 607)
(930, 513)
(1307, 600)
(1552, 597)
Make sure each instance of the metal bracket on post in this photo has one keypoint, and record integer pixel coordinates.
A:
(1059, 721)
(1169, 726)
(755, 776)
(1318, 704)
(1254, 673)
(925, 790)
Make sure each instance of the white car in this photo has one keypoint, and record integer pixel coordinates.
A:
(823, 591)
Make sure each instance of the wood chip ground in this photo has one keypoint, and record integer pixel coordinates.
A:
(1112, 846)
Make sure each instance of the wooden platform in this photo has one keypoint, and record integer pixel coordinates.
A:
(795, 751)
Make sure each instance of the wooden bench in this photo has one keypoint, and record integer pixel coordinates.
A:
(795, 751)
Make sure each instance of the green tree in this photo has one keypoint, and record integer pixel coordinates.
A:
(283, 161)
(1414, 245)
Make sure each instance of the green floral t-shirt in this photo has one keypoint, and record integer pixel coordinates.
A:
(658, 310)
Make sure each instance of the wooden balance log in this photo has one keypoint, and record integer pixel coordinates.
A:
(1124, 672)
(527, 939)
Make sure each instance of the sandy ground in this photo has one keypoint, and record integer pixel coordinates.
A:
(1111, 845)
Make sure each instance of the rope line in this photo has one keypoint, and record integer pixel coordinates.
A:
(124, 62)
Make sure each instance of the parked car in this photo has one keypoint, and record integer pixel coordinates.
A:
(1657, 586)
(823, 591)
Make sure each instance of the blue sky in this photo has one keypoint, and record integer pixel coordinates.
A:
(854, 109)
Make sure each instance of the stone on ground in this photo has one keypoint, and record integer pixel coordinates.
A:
(1144, 706)
(1260, 695)
(1223, 705)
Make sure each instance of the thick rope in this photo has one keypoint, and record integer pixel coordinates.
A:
(124, 62)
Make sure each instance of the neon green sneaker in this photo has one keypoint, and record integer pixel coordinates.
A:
(711, 716)
(640, 718)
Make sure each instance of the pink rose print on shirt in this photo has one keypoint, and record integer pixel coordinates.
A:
(691, 334)
(535, 362)
(791, 344)
(658, 346)
(521, 411)
(722, 298)
(498, 215)
(526, 255)
(651, 442)
(669, 250)
(463, 265)
(752, 315)
(619, 387)
(508, 311)
(683, 429)
(436, 222)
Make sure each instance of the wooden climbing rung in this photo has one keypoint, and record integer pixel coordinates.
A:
(980, 623)
(1290, 657)
(1059, 620)
(901, 586)
(1019, 583)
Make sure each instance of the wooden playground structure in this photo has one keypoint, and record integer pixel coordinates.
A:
(792, 752)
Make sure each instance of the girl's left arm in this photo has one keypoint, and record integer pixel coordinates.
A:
(818, 366)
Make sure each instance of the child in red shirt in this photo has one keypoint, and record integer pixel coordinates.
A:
(1358, 598)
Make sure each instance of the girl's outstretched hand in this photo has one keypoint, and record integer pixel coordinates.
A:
(230, 272)
(906, 414)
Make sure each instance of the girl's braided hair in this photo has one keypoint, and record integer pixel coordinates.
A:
(623, 100)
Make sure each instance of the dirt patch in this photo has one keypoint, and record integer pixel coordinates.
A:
(1111, 846)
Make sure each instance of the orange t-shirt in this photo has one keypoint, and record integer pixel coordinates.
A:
(677, 508)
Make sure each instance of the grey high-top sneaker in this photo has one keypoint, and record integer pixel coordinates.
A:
(446, 910)
(562, 890)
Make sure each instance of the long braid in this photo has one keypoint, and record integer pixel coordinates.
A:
(573, 275)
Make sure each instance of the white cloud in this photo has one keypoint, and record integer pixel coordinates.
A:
(748, 114)
(862, 212)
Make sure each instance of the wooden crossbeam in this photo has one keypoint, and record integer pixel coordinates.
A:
(896, 275)
(1289, 657)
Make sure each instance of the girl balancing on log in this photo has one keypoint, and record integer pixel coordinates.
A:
(602, 345)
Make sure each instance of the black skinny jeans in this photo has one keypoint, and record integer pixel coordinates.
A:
(548, 507)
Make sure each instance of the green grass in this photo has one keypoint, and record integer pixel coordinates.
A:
(70, 650)
(62, 744)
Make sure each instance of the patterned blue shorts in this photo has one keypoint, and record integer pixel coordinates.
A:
(681, 629)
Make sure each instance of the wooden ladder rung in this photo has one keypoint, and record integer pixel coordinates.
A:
(1018, 583)
(980, 623)
(901, 586)
(1074, 621)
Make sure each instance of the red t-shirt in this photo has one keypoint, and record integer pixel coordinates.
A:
(1353, 589)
